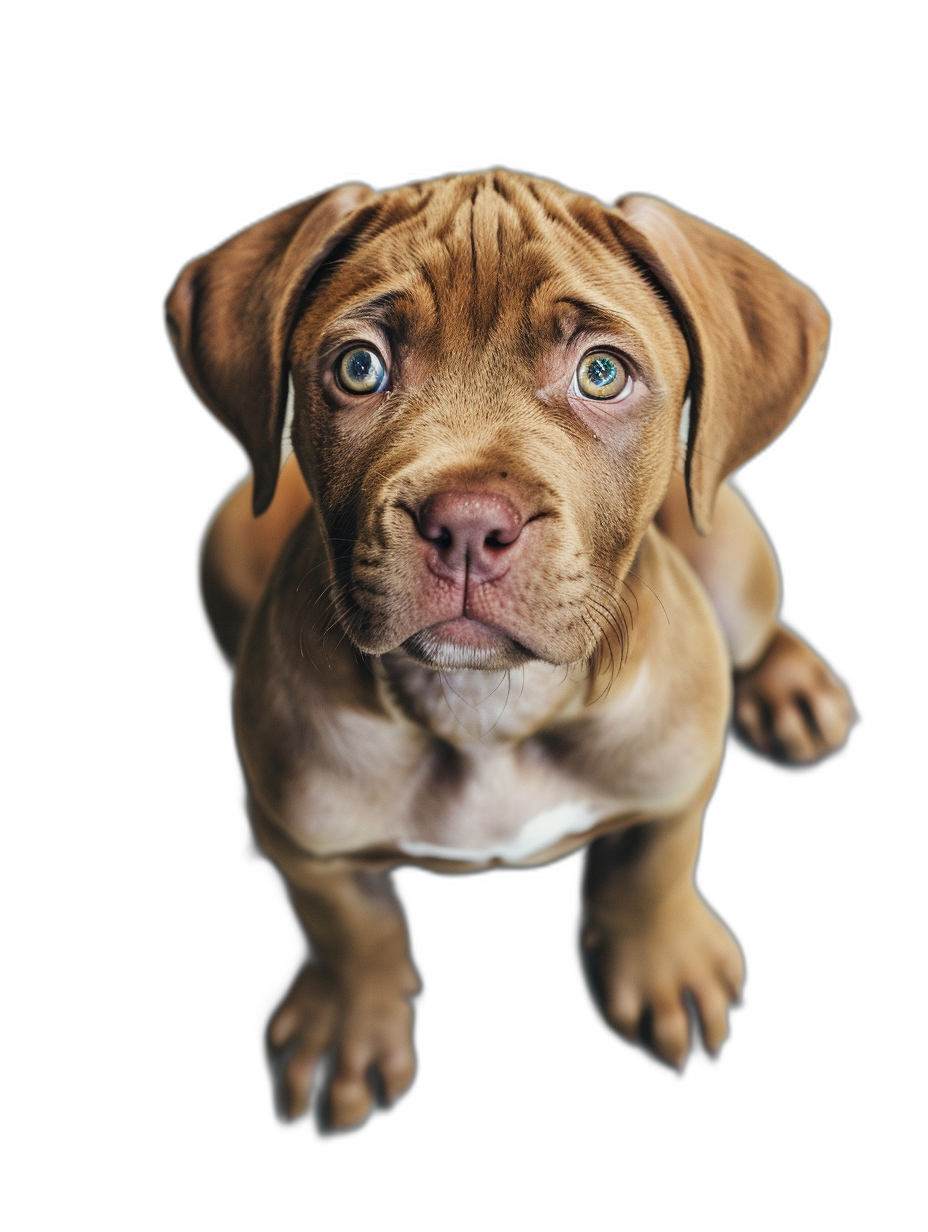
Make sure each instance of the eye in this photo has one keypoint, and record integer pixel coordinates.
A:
(361, 371)
(602, 375)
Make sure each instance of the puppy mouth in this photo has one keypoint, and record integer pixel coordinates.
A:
(466, 643)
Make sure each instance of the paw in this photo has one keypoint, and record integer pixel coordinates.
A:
(366, 1032)
(644, 978)
(790, 706)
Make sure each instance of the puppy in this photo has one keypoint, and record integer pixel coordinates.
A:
(493, 608)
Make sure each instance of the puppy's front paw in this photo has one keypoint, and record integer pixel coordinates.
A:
(366, 1029)
(790, 706)
(643, 974)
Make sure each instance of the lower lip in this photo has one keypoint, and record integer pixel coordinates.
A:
(464, 644)
(472, 633)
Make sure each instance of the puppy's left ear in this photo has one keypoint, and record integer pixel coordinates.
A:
(231, 312)
(756, 337)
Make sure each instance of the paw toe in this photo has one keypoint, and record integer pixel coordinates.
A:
(624, 1010)
(670, 1032)
(712, 1009)
(349, 1101)
(282, 1027)
(397, 1069)
(749, 721)
(730, 971)
(833, 714)
(795, 739)
(296, 1082)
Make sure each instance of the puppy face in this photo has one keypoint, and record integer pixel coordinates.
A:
(487, 401)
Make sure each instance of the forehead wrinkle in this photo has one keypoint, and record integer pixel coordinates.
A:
(400, 313)
(527, 202)
(485, 237)
(474, 249)
(443, 209)
(396, 209)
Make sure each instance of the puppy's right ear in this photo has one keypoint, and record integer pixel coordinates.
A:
(231, 312)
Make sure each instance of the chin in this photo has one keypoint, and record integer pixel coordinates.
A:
(453, 645)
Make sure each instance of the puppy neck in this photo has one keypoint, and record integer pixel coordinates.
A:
(469, 707)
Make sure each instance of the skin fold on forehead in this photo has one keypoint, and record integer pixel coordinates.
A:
(466, 253)
(475, 282)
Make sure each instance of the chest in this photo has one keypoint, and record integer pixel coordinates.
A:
(477, 769)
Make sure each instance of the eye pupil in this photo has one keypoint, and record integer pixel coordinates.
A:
(601, 370)
(359, 366)
(361, 371)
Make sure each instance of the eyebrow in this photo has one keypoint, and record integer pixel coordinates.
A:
(381, 311)
(595, 316)
(375, 310)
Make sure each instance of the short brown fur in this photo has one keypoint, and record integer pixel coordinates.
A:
(476, 601)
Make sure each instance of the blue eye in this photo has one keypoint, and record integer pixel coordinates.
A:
(601, 375)
(361, 371)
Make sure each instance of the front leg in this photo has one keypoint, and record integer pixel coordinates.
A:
(651, 941)
(351, 1000)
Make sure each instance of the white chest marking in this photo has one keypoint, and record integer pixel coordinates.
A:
(536, 834)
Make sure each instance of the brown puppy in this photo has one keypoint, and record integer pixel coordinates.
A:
(502, 621)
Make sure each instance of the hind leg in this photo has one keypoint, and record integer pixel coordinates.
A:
(788, 703)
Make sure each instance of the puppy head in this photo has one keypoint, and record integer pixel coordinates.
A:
(488, 375)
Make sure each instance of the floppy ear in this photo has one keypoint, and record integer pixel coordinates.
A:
(756, 338)
(231, 312)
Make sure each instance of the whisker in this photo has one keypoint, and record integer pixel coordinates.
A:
(653, 592)
(496, 686)
(462, 699)
(611, 599)
(616, 623)
(442, 682)
(593, 625)
(320, 565)
(505, 703)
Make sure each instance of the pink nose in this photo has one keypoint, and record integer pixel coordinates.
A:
(472, 533)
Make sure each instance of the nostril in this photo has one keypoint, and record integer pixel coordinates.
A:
(441, 536)
(465, 524)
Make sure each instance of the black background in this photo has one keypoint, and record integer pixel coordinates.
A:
(519, 1083)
